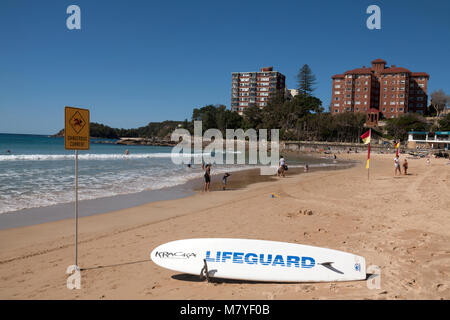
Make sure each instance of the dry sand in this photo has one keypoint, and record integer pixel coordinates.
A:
(401, 224)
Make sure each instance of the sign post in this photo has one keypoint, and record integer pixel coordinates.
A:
(76, 137)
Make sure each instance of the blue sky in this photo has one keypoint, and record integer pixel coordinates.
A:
(134, 61)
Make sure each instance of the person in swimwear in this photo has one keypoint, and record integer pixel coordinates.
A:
(207, 176)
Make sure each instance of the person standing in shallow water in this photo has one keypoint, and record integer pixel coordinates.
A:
(207, 176)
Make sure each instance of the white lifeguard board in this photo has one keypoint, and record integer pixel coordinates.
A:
(259, 260)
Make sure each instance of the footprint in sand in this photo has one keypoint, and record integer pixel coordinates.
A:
(441, 287)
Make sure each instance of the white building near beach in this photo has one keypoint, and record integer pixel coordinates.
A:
(431, 140)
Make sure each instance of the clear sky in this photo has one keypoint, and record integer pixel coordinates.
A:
(135, 61)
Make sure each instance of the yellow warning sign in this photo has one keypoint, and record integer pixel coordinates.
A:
(76, 130)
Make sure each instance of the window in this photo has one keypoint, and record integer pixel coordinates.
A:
(385, 82)
(357, 102)
(336, 104)
(336, 110)
(392, 109)
(349, 102)
(421, 85)
(365, 89)
(357, 109)
(336, 98)
(337, 92)
(384, 109)
(337, 80)
(337, 86)
(400, 109)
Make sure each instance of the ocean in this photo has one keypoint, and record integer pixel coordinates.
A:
(36, 171)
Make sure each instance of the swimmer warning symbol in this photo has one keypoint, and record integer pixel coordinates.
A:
(76, 130)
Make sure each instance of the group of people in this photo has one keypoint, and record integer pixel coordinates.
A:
(207, 177)
(398, 167)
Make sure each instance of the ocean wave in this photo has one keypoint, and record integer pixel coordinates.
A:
(97, 156)
(98, 186)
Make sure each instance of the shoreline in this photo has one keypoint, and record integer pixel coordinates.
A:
(38, 215)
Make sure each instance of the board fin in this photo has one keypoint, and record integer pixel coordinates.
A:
(328, 265)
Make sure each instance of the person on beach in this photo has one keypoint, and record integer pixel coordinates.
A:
(397, 165)
(127, 152)
(405, 167)
(306, 168)
(282, 165)
(207, 176)
(224, 180)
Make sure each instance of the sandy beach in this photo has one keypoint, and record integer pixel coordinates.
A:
(400, 224)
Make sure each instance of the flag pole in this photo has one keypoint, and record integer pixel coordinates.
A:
(368, 155)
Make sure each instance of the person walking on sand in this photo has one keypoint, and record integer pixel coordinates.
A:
(207, 176)
(405, 167)
(397, 165)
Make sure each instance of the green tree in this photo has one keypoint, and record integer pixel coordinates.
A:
(398, 127)
(444, 123)
(306, 80)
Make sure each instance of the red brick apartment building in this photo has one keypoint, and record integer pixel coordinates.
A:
(255, 88)
(380, 91)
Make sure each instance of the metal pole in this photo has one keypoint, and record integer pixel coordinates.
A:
(76, 208)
